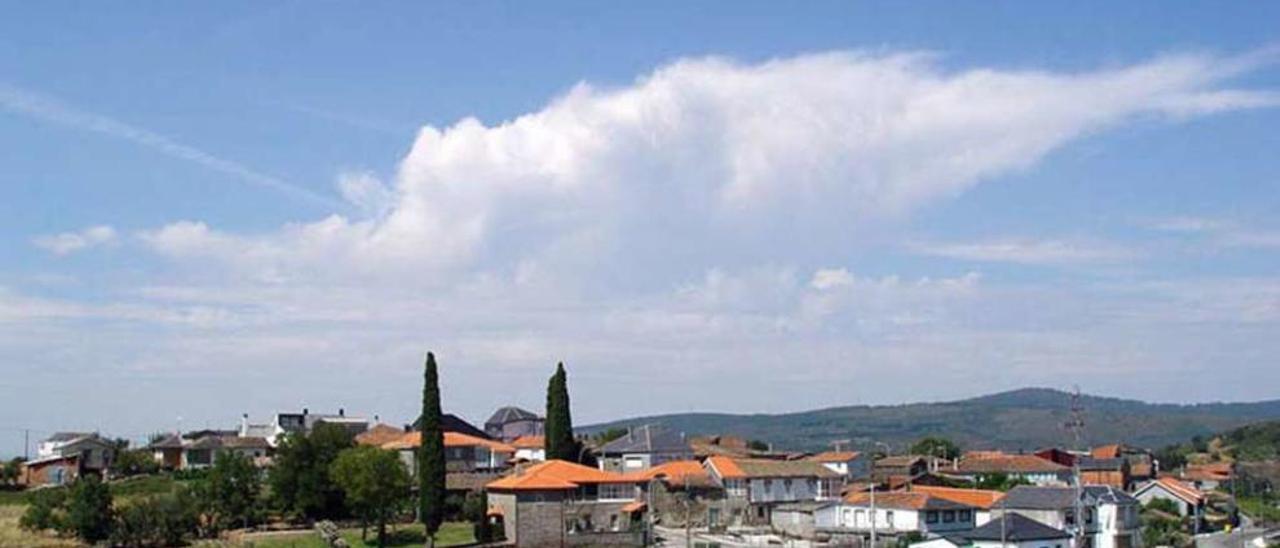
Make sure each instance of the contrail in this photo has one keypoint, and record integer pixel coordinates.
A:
(53, 111)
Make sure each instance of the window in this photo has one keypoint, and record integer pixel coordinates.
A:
(888, 518)
(859, 517)
(786, 484)
(768, 485)
(616, 491)
(931, 516)
(966, 515)
(949, 516)
(633, 463)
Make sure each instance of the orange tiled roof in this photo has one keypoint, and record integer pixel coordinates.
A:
(675, 471)
(633, 507)
(529, 442)
(1106, 451)
(835, 456)
(726, 467)
(980, 498)
(379, 435)
(915, 501)
(1180, 489)
(1010, 463)
(556, 475)
(451, 439)
(968, 455)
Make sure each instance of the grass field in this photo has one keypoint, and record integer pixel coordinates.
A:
(12, 535)
(451, 534)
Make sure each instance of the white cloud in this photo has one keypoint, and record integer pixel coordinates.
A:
(71, 242)
(1028, 251)
(709, 153)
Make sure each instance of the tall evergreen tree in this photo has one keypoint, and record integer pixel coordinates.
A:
(560, 443)
(431, 466)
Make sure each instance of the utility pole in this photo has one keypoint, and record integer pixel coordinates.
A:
(1076, 426)
(873, 513)
(26, 444)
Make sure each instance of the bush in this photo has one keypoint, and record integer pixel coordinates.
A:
(133, 463)
(47, 510)
(89, 510)
(163, 520)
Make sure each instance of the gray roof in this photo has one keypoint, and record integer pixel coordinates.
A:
(508, 414)
(648, 439)
(1091, 463)
(1027, 497)
(1018, 528)
(172, 441)
(67, 436)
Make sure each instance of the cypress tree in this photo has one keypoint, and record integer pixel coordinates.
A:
(431, 465)
(559, 425)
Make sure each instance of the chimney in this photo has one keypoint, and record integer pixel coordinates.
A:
(244, 424)
(342, 412)
(304, 411)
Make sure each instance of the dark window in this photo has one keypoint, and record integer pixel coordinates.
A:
(931, 516)
(949, 516)
(966, 515)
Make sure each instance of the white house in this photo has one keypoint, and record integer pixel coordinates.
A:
(285, 423)
(895, 513)
(762, 484)
(1111, 517)
(1189, 500)
(1033, 469)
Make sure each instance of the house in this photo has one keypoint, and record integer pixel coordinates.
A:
(681, 493)
(1142, 463)
(1113, 471)
(908, 466)
(981, 500)
(753, 486)
(462, 453)
(1029, 468)
(1189, 500)
(896, 513)
(509, 423)
(1060, 456)
(530, 448)
(559, 503)
(177, 452)
(643, 447)
(304, 422)
(850, 464)
(65, 456)
(1013, 531)
(1111, 516)
(1206, 477)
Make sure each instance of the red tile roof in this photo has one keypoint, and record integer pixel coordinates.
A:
(379, 435)
(1178, 489)
(1106, 451)
(1010, 463)
(835, 456)
(674, 472)
(980, 498)
(726, 468)
(529, 442)
(555, 475)
(451, 439)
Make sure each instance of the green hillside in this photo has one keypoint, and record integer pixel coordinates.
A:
(1022, 419)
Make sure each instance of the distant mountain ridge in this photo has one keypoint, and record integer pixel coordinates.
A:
(1024, 419)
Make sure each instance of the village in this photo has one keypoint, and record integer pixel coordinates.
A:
(651, 485)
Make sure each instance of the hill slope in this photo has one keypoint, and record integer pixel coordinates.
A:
(1021, 419)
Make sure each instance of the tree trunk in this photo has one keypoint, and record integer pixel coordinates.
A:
(431, 541)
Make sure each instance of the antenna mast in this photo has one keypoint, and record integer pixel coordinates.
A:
(1075, 425)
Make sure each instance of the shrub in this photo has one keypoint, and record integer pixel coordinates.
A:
(47, 510)
(133, 463)
(89, 509)
(162, 520)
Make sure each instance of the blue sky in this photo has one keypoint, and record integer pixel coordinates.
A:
(237, 207)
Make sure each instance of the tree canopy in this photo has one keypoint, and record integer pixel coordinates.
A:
(431, 459)
(300, 479)
(375, 484)
(936, 447)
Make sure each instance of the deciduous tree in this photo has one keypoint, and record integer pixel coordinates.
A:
(374, 482)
